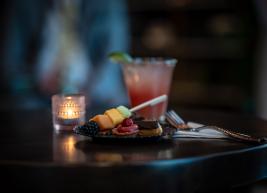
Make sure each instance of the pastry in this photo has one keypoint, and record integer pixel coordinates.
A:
(149, 128)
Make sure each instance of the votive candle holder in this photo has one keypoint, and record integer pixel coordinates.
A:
(68, 111)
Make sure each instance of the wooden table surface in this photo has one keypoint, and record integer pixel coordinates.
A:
(35, 158)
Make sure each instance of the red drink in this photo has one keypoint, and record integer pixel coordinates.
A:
(146, 79)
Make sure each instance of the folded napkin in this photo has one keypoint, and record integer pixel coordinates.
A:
(205, 132)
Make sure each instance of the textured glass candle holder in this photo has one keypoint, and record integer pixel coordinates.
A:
(68, 111)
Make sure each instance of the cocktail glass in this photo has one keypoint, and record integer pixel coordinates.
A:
(147, 78)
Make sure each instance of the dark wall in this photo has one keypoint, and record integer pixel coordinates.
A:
(214, 41)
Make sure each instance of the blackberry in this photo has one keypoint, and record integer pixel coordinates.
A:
(90, 128)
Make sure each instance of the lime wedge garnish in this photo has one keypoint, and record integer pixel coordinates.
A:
(120, 57)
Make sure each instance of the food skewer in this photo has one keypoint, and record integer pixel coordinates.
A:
(115, 116)
(118, 120)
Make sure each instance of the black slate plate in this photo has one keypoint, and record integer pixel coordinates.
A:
(113, 138)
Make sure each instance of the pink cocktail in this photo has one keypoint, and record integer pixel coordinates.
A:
(147, 78)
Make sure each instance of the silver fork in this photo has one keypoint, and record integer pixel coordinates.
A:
(174, 119)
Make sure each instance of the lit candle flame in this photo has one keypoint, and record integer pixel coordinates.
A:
(69, 110)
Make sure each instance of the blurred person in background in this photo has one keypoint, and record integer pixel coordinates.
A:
(61, 46)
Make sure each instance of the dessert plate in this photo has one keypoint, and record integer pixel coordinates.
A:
(109, 137)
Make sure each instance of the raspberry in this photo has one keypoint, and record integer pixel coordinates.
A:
(127, 122)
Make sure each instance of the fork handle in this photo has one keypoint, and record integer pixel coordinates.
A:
(238, 136)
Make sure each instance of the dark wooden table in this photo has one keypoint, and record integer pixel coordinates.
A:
(36, 159)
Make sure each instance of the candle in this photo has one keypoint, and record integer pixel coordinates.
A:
(68, 111)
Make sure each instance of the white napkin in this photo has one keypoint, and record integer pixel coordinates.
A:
(206, 132)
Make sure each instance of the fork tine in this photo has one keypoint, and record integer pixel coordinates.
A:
(174, 119)
(176, 116)
(170, 119)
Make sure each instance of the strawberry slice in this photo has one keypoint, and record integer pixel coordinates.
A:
(120, 130)
(115, 132)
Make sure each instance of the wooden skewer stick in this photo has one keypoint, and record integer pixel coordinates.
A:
(151, 102)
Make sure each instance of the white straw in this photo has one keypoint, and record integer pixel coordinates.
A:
(151, 102)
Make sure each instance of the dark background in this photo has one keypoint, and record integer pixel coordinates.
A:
(214, 41)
